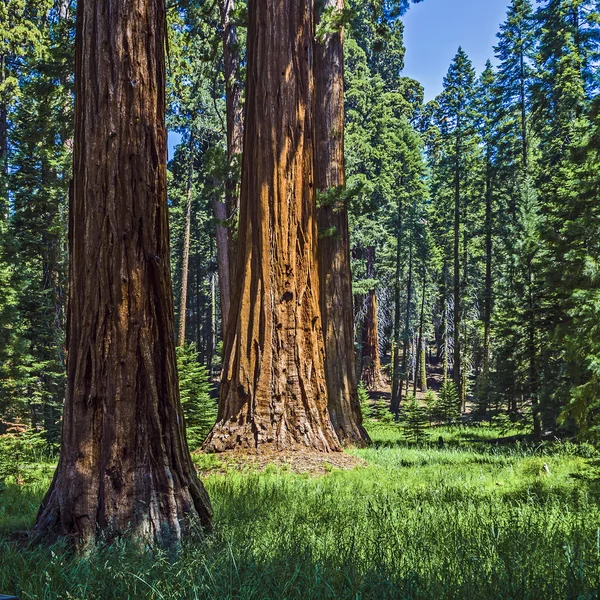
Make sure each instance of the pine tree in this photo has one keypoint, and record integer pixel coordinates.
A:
(456, 121)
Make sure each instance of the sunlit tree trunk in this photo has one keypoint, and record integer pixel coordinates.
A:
(273, 390)
(226, 212)
(334, 244)
(124, 468)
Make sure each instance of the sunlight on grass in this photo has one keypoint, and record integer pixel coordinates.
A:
(469, 520)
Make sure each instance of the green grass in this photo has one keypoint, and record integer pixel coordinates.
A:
(470, 520)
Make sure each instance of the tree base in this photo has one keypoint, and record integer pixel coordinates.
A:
(231, 435)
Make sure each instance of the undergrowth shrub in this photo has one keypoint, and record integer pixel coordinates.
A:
(199, 406)
(21, 449)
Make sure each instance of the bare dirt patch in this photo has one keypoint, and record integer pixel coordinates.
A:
(310, 463)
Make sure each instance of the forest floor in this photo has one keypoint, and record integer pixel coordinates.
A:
(470, 520)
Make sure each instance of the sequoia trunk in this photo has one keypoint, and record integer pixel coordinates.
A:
(273, 390)
(334, 246)
(124, 467)
(225, 212)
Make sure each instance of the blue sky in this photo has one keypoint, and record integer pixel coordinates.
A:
(434, 29)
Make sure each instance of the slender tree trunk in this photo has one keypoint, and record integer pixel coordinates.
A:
(3, 146)
(185, 263)
(464, 285)
(457, 371)
(273, 392)
(406, 333)
(334, 249)
(124, 468)
(523, 102)
(370, 359)
(396, 373)
(532, 354)
(420, 374)
(225, 212)
(487, 300)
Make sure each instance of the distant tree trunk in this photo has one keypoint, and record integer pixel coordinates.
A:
(124, 468)
(396, 374)
(421, 362)
(370, 361)
(185, 263)
(487, 301)
(457, 371)
(334, 248)
(3, 145)
(406, 333)
(273, 392)
(523, 103)
(532, 353)
(225, 212)
(464, 286)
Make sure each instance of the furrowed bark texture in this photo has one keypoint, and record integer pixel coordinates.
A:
(226, 211)
(124, 467)
(334, 248)
(273, 391)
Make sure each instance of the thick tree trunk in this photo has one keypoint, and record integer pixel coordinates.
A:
(334, 248)
(370, 360)
(124, 468)
(187, 236)
(225, 212)
(273, 391)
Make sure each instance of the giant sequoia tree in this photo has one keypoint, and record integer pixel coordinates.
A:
(124, 466)
(334, 242)
(273, 391)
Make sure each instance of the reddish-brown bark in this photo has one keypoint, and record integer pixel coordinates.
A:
(334, 246)
(273, 391)
(124, 467)
(225, 212)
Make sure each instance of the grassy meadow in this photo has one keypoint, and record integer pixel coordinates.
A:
(470, 520)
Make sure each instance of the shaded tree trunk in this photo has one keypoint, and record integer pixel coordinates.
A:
(124, 468)
(487, 296)
(421, 374)
(370, 359)
(225, 212)
(406, 333)
(273, 390)
(185, 263)
(457, 370)
(3, 146)
(334, 247)
(396, 374)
